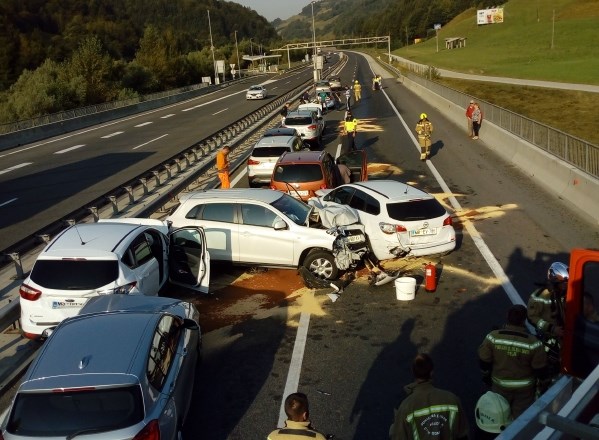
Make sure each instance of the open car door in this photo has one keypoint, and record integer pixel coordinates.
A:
(580, 344)
(357, 162)
(189, 260)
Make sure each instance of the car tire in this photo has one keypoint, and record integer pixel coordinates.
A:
(322, 264)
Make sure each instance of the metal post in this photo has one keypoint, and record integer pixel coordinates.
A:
(212, 49)
(94, 212)
(16, 258)
(115, 206)
(129, 190)
(237, 50)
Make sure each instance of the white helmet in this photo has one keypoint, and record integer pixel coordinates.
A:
(492, 412)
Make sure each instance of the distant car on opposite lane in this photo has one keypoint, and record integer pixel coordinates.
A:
(256, 92)
(123, 369)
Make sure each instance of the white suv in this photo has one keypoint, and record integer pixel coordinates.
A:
(263, 227)
(307, 124)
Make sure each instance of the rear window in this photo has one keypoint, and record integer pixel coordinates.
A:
(298, 121)
(59, 414)
(269, 151)
(294, 173)
(74, 274)
(416, 210)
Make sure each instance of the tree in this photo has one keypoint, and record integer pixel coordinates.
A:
(94, 66)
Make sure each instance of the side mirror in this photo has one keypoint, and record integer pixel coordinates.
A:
(279, 225)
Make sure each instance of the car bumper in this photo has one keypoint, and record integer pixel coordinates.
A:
(254, 97)
(393, 246)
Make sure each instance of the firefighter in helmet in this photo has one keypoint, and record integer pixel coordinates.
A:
(424, 129)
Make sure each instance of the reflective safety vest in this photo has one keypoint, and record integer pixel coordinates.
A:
(351, 126)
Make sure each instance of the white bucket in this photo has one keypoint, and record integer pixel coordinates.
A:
(405, 288)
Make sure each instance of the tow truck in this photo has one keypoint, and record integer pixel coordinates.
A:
(569, 409)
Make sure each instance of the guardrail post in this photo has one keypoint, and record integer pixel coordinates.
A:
(129, 190)
(157, 176)
(70, 222)
(188, 159)
(16, 258)
(144, 184)
(113, 202)
(178, 165)
(44, 238)
(94, 212)
(169, 176)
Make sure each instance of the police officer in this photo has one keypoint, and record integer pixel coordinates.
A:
(424, 129)
(428, 412)
(546, 312)
(350, 129)
(514, 362)
(297, 425)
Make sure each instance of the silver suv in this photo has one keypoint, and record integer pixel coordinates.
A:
(268, 149)
(264, 227)
(307, 124)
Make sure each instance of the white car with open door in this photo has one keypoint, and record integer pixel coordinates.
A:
(131, 256)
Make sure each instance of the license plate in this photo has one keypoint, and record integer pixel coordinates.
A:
(298, 193)
(67, 305)
(356, 238)
(419, 232)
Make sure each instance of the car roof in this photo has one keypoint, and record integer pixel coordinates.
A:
(105, 345)
(91, 238)
(300, 113)
(258, 194)
(275, 141)
(256, 87)
(392, 190)
(302, 156)
(280, 131)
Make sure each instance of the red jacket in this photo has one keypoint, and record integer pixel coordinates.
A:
(469, 111)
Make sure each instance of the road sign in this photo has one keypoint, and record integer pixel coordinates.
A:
(232, 66)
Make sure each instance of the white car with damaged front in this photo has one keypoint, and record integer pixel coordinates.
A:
(256, 92)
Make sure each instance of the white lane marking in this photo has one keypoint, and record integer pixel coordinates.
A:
(143, 124)
(150, 141)
(295, 367)
(492, 262)
(69, 149)
(8, 201)
(16, 167)
(167, 116)
(220, 111)
(116, 133)
(214, 100)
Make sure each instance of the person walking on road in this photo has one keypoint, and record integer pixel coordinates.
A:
(222, 167)
(350, 129)
(424, 129)
(513, 362)
(427, 412)
(469, 111)
(284, 112)
(347, 99)
(297, 425)
(477, 120)
(357, 91)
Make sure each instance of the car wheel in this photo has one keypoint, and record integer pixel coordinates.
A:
(322, 264)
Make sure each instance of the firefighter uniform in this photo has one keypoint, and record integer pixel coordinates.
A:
(429, 413)
(357, 91)
(543, 311)
(424, 129)
(514, 361)
(295, 431)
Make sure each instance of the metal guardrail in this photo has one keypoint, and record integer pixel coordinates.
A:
(575, 151)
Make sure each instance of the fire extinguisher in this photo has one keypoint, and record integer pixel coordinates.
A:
(430, 277)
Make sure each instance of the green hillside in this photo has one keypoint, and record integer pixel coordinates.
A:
(521, 46)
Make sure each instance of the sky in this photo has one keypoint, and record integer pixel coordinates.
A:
(272, 9)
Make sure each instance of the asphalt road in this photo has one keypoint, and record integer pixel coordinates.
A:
(266, 335)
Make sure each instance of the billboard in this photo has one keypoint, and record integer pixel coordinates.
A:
(489, 16)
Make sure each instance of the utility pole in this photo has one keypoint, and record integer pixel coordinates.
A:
(237, 50)
(212, 49)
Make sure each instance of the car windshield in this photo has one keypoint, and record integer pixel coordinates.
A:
(414, 210)
(294, 209)
(74, 274)
(298, 173)
(269, 151)
(298, 120)
(256, 88)
(60, 414)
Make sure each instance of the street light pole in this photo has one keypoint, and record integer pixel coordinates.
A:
(316, 76)
(212, 49)
(237, 50)
(252, 52)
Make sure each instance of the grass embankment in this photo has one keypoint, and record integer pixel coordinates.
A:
(521, 47)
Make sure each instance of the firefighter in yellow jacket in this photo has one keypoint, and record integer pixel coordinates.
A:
(424, 129)
(514, 362)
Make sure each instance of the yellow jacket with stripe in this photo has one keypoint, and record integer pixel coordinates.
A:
(513, 358)
(296, 431)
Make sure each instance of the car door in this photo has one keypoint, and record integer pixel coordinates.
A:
(357, 161)
(144, 264)
(189, 259)
(259, 241)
